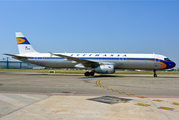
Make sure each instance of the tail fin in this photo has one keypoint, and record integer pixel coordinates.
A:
(23, 44)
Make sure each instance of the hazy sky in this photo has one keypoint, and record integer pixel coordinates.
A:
(92, 26)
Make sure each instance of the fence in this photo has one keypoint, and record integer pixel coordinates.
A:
(16, 65)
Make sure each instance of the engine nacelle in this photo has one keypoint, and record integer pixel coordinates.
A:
(105, 69)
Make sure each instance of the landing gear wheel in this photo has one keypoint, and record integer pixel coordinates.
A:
(155, 75)
(87, 73)
(92, 73)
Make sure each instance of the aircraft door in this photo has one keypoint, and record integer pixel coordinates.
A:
(156, 59)
(121, 60)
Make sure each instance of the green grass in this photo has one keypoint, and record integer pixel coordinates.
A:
(63, 71)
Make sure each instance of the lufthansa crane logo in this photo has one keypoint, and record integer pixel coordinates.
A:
(20, 40)
(26, 48)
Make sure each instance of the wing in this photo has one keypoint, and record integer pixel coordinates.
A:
(86, 63)
(16, 56)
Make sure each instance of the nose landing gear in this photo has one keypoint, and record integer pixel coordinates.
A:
(155, 74)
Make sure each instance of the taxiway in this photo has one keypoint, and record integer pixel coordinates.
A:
(63, 96)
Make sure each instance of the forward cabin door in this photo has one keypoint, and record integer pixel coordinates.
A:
(156, 59)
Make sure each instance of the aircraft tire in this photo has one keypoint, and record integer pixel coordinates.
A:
(92, 73)
(87, 73)
(155, 75)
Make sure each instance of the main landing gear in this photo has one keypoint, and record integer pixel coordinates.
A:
(89, 73)
(155, 74)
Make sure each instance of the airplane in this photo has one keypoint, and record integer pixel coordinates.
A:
(103, 63)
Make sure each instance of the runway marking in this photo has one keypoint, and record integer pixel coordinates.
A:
(114, 90)
(56, 111)
(98, 83)
(157, 100)
(141, 97)
(175, 103)
(166, 108)
(124, 101)
(105, 87)
(130, 94)
(140, 104)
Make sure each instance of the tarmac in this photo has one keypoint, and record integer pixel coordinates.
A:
(33, 96)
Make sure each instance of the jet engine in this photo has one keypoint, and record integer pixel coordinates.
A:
(105, 69)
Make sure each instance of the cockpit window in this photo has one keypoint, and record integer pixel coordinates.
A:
(167, 59)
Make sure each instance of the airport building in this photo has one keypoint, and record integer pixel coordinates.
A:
(18, 65)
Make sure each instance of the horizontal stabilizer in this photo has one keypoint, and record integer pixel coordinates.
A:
(15, 56)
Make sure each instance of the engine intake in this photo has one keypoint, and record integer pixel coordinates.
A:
(105, 69)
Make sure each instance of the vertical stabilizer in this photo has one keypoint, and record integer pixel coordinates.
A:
(23, 44)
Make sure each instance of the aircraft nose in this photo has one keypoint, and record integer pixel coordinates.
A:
(174, 64)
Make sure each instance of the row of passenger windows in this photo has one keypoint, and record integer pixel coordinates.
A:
(93, 58)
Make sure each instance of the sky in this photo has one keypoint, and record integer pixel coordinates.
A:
(101, 26)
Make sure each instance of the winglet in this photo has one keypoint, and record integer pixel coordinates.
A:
(51, 54)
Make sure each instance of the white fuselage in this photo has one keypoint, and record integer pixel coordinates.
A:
(119, 60)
